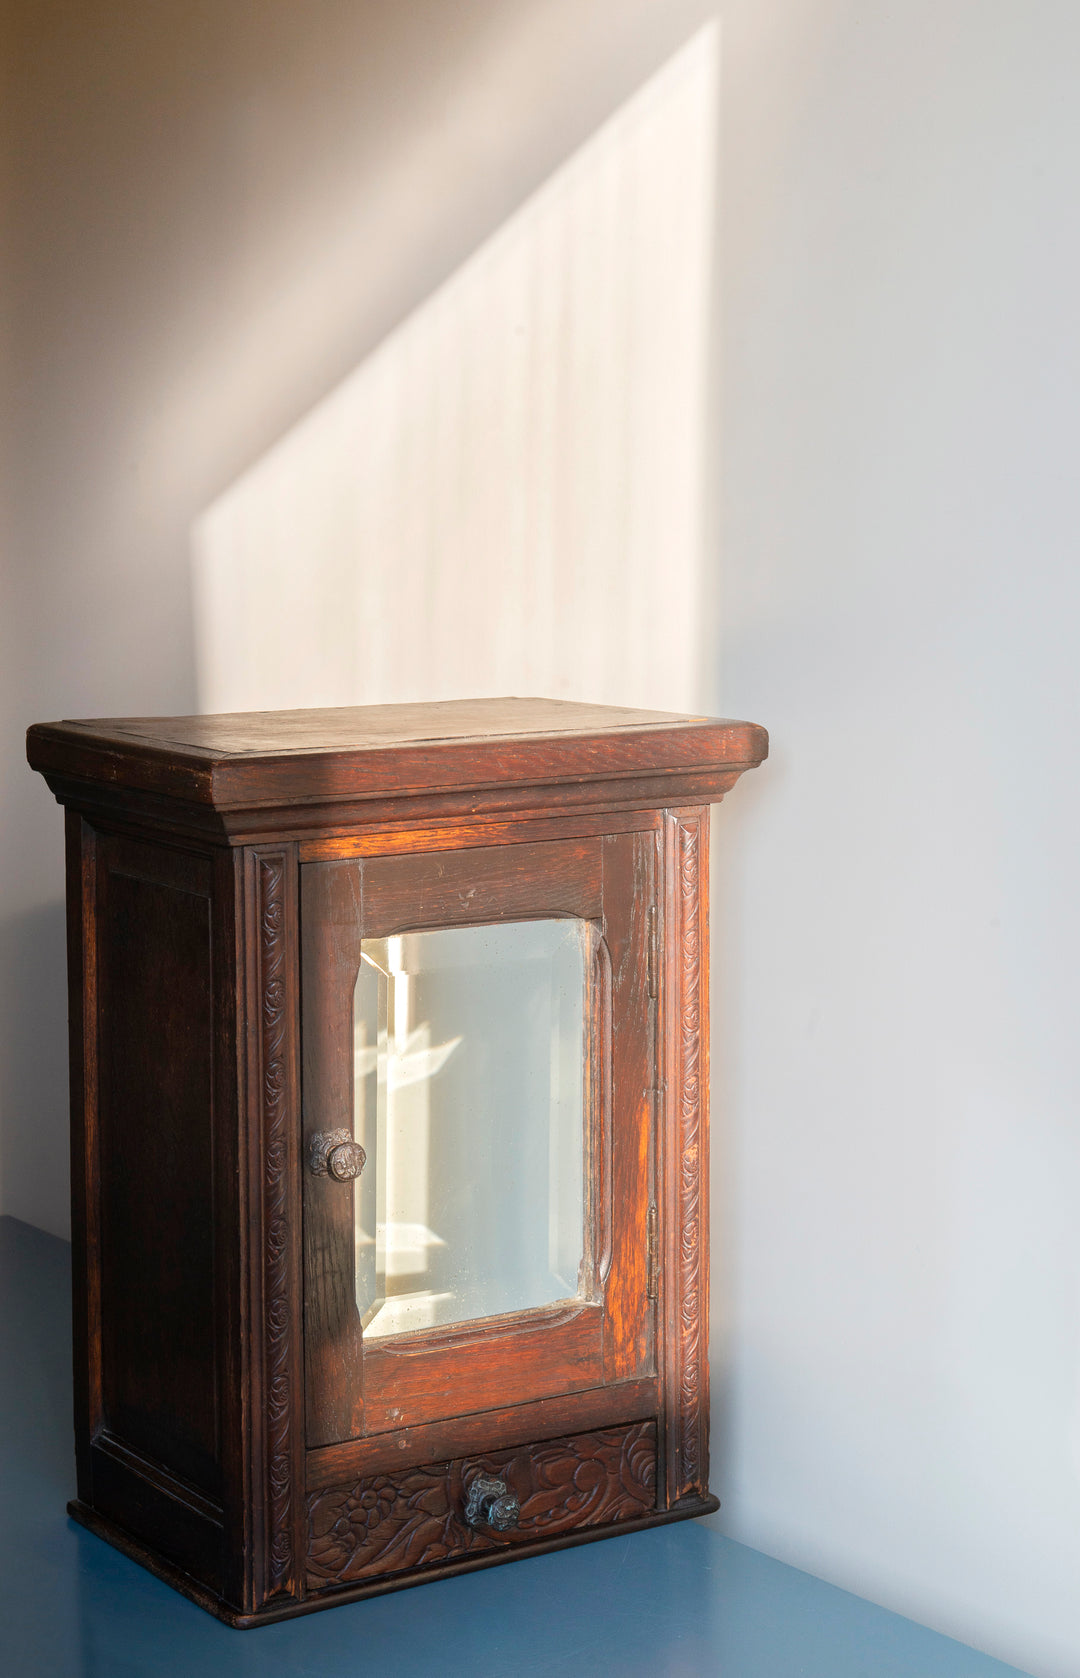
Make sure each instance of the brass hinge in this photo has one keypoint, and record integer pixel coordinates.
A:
(652, 1266)
(653, 955)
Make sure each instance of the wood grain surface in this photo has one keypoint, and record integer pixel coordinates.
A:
(390, 1522)
(289, 757)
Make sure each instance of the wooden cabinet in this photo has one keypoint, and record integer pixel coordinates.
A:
(389, 1135)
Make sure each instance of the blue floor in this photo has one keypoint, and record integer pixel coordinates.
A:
(673, 1603)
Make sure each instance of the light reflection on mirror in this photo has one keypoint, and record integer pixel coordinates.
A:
(470, 1070)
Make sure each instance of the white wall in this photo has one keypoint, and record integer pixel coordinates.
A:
(898, 1070)
(219, 219)
(220, 212)
(507, 495)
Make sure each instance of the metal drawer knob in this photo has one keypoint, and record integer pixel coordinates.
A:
(333, 1153)
(491, 1503)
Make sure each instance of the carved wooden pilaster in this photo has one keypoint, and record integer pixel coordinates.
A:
(277, 1084)
(685, 1174)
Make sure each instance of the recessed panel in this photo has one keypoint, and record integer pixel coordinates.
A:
(155, 1036)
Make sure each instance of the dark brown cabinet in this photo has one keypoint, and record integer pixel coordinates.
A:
(389, 1148)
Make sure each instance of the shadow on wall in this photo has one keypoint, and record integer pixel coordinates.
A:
(732, 832)
(33, 1076)
(509, 494)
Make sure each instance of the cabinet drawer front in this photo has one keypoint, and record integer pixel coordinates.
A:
(386, 1523)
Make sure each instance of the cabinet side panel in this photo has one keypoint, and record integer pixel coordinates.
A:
(155, 1054)
(82, 1062)
(232, 1198)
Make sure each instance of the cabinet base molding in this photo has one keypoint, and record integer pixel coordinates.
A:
(286, 1608)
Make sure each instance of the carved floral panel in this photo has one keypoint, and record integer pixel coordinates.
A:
(388, 1522)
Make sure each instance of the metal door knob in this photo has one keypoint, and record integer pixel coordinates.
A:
(333, 1153)
(491, 1503)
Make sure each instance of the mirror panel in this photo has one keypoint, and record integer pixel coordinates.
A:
(470, 1070)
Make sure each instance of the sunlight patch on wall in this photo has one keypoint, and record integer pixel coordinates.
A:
(507, 495)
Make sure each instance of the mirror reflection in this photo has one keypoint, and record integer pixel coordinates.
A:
(470, 1069)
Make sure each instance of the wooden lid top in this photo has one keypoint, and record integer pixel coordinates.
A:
(250, 758)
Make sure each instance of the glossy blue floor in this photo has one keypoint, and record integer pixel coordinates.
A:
(672, 1603)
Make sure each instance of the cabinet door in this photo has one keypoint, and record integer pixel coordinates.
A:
(481, 1023)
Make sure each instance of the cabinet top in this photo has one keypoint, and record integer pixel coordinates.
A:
(247, 759)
